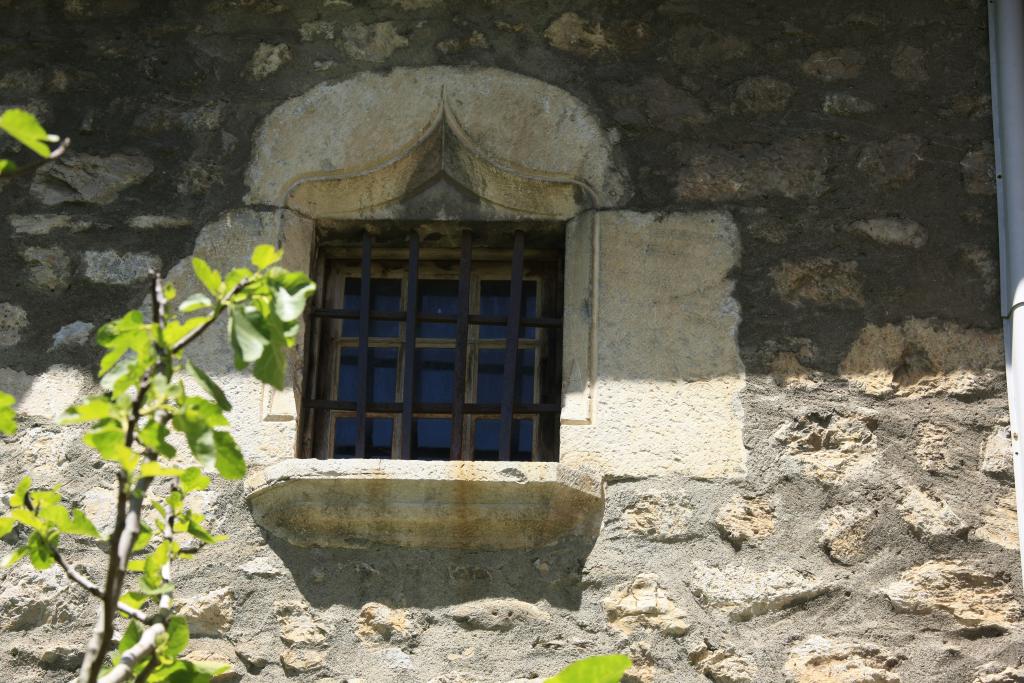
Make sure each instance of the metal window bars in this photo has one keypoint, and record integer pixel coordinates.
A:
(318, 410)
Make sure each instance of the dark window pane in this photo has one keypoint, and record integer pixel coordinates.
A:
(434, 369)
(431, 439)
(378, 437)
(491, 372)
(437, 297)
(383, 371)
(494, 301)
(385, 295)
(485, 446)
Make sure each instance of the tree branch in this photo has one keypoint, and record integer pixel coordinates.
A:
(135, 654)
(221, 305)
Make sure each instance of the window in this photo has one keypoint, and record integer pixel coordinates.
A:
(454, 353)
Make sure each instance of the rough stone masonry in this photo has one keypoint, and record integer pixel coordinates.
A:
(872, 536)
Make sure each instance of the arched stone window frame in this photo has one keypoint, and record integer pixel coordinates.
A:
(468, 144)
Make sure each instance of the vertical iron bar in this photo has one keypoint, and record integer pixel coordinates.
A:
(408, 374)
(364, 347)
(508, 383)
(461, 337)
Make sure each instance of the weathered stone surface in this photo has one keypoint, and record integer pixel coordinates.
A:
(923, 358)
(999, 523)
(31, 598)
(149, 222)
(211, 614)
(643, 603)
(371, 42)
(263, 567)
(844, 104)
(763, 94)
(297, 625)
(697, 45)
(831, 447)
(44, 224)
(744, 593)
(267, 59)
(984, 265)
(668, 377)
(825, 660)
(822, 281)
(660, 517)
(974, 597)
(572, 33)
(316, 30)
(834, 65)
(978, 170)
(47, 394)
(746, 518)
(498, 614)
(88, 178)
(49, 268)
(895, 231)
(99, 504)
(299, 661)
(997, 454)
(454, 46)
(112, 268)
(993, 672)
(13, 319)
(221, 651)
(78, 333)
(909, 64)
(722, 664)
(380, 624)
(929, 516)
(792, 167)
(173, 116)
(844, 531)
(935, 450)
(892, 163)
(653, 102)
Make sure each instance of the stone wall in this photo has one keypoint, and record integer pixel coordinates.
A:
(873, 535)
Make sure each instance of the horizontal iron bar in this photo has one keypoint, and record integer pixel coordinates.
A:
(399, 316)
(436, 408)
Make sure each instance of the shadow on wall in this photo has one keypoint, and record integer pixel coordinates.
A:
(428, 578)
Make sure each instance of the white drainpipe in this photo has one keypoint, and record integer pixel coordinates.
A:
(1006, 50)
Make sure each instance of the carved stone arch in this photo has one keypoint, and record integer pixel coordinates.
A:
(398, 144)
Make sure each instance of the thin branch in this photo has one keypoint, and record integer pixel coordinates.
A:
(55, 153)
(135, 654)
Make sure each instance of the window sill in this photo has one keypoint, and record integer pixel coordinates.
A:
(425, 504)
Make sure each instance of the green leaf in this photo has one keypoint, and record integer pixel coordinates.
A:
(6, 525)
(39, 552)
(193, 527)
(152, 468)
(210, 278)
(245, 338)
(599, 669)
(7, 167)
(235, 276)
(154, 436)
(175, 331)
(230, 462)
(8, 419)
(271, 366)
(151, 577)
(132, 634)
(18, 496)
(95, 408)
(80, 525)
(289, 305)
(177, 637)
(193, 479)
(108, 439)
(170, 291)
(135, 599)
(265, 255)
(196, 302)
(142, 540)
(208, 385)
(27, 130)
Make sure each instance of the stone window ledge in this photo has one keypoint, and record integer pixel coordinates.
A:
(425, 504)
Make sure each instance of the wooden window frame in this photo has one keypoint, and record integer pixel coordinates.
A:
(468, 264)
